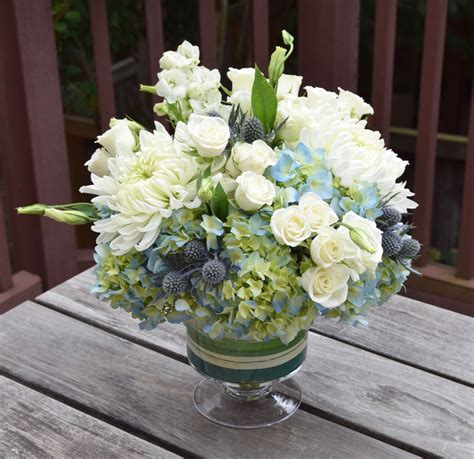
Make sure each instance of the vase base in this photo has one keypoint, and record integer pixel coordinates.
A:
(247, 406)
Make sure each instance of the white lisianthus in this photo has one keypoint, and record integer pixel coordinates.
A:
(172, 85)
(242, 79)
(327, 286)
(208, 134)
(288, 85)
(297, 115)
(331, 246)
(241, 98)
(118, 140)
(290, 226)
(319, 96)
(317, 212)
(253, 191)
(98, 163)
(255, 157)
(353, 104)
(365, 261)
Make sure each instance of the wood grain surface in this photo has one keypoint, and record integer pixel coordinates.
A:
(34, 425)
(123, 381)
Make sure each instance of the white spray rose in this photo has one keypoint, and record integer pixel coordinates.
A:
(98, 164)
(327, 286)
(366, 261)
(331, 246)
(290, 226)
(288, 85)
(242, 79)
(118, 140)
(353, 104)
(255, 157)
(172, 85)
(253, 191)
(318, 212)
(208, 134)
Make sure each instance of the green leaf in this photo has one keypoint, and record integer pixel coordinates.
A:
(264, 101)
(219, 203)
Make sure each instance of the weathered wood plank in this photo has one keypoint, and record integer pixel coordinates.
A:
(427, 337)
(152, 392)
(34, 425)
(348, 382)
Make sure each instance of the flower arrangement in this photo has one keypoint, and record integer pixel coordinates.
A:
(260, 211)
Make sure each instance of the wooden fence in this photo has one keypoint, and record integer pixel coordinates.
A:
(33, 152)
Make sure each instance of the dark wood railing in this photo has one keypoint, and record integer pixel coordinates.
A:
(33, 152)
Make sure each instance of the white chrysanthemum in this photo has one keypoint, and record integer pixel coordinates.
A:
(141, 191)
(400, 196)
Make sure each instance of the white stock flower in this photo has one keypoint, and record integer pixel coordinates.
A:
(253, 191)
(365, 261)
(327, 286)
(255, 157)
(172, 85)
(331, 246)
(242, 79)
(118, 140)
(189, 51)
(186, 55)
(288, 85)
(353, 104)
(318, 212)
(290, 226)
(209, 134)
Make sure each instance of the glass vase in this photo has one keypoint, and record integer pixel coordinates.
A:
(247, 383)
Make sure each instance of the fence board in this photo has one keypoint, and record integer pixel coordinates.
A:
(103, 66)
(382, 72)
(154, 34)
(465, 266)
(260, 21)
(208, 32)
(328, 42)
(5, 267)
(34, 157)
(428, 116)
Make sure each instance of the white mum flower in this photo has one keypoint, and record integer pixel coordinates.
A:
(141, 191)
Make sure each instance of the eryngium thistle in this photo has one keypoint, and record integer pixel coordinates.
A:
(252, 129)
(174, 283)
(410, 247)
(391, 216)
(391, 243)
(214, 114)
(213, 272)
(195, 250)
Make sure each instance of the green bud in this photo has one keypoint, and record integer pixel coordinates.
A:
(206, 190)
(161, 108)
(35, 209)
(276, 65)
(288, 39)
(360, 239)
(71, 217)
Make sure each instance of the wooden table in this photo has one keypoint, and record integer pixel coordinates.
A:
(79, 379)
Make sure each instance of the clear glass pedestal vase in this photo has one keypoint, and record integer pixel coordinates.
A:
(247, 383)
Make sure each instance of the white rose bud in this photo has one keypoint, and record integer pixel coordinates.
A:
(118, 140)
(288, 85)
(253, 191)
(242, 79)
(354, 104)
(317, 211)
(255, 157)
(99, 163)
(290, 226)
(209, 134)
(327, 286)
